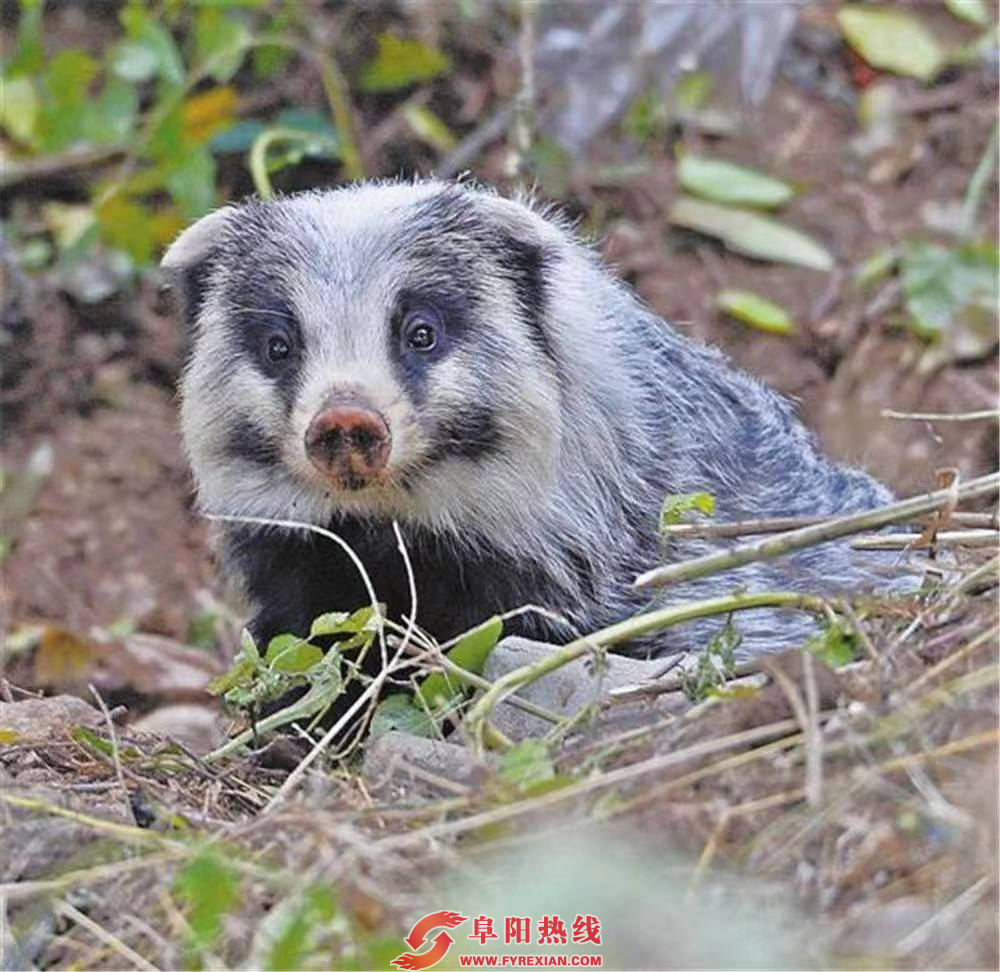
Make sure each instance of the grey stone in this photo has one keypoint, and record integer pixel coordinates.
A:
(414, 766)
(570, 688)
(49, 719)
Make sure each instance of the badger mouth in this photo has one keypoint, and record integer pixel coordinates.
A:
(356, 483)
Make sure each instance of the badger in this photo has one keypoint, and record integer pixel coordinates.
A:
(437, 356)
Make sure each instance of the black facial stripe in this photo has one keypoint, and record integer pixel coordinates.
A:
(525, 265)
(191, 287)
(250, 443)
(470, 434)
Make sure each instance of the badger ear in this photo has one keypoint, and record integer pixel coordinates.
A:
(189, 259)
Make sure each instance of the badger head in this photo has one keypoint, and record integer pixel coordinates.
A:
(378, 351)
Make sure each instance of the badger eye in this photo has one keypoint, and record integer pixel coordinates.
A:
(420, 329)
(278, 348)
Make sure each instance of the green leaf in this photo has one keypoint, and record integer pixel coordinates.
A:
(892, 40)
(834, 645)
(760, 313)
(221, 41)
(134, 61)
(724, 182)
(340, 622)
(90, 740)
(307, 120)
(971, 11)
(29, 52)
(676, 505)
(526, 765)
(429, 128)
(441, 690)
(474, 647)
(127, 226)
(311, 917)
(401, 62)
(942, 285)
(68, 76)
(240, 675)
(877, 267)
(208, 889)
(117, 109)
(238, 137)
(191, 181)
(244, 667)
(750, 233)
(289, 653)
(144, 30)
(716, 664)
(269, 60)
(19, 108)
(397, 712)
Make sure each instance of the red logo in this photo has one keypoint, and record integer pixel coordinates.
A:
(418, 935)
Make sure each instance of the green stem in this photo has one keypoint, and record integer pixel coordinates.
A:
(257, 159)
(336, 91)
(475, 721)
(977, 185)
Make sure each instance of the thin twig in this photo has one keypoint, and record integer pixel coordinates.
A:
(807, 715)
(782, 524)
(981, 416)
(65, 910)
(978, 182)
(947, 538)
(524, 105)
(115, 754)
(810, 536)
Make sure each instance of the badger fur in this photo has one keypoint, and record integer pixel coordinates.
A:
(513, 407)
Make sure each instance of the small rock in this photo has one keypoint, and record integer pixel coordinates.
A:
(414, 763)
(568, 689)
(198, 727)
(47, 718)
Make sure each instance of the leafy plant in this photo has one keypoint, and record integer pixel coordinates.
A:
(755, 311)
(290, 662)
(677, 505)
(208, 889)
(893, 40)
(945, 286)
(401, 62)
(440, 693)
(836, 645)
(750, 233)
(716, 664)
(735, 185)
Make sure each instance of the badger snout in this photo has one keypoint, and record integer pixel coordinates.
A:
(348, 442)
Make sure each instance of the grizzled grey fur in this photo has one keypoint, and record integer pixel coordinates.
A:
(532, 446)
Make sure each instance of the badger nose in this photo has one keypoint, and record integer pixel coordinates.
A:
(348, 442)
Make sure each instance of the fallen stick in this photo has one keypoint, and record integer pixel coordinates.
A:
(782, 524)
(947, 538)
(818, 533)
